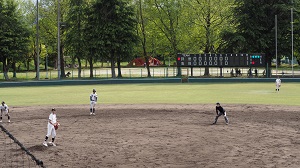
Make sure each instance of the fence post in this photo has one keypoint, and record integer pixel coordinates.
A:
(106, 74)
(141, 72)
(129, 73)
(153, 73)
(167, 75)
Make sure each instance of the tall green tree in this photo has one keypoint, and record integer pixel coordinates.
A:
(256, 27)
(75, 20)
(141, 30)
(210, 18)
(166, 16)
(14, 35)
(111, 31)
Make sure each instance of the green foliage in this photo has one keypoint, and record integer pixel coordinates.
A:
(14, 35)
(256, 24)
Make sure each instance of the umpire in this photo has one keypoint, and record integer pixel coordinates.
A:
(220, 111)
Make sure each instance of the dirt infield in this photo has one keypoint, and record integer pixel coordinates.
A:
(162, 135)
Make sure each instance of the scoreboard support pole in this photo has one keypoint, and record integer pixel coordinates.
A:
(192, 72)
(221, 72)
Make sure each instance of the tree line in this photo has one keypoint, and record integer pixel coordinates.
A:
(120, 30)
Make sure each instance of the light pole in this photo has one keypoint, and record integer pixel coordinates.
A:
(292, 27)
(276, 43)
(58, 38)
(37, 42)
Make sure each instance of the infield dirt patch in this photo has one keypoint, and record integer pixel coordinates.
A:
(162, 135)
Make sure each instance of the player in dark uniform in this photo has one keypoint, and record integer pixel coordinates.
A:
(220, 111)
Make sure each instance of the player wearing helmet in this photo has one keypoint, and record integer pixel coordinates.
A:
(220, 111)
(93, 101)
(4, 109)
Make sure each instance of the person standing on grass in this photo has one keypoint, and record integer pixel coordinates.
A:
(278, 84)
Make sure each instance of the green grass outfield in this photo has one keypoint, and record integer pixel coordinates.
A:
(237, 93)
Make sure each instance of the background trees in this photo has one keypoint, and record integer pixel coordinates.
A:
(108, 30)
(14, 36)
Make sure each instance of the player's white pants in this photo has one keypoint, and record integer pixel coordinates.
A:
(93, 104)
(51, 131)
(277, 86)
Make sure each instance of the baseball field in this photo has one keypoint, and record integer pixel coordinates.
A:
(160, 125)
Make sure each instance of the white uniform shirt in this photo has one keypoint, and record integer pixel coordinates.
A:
(93, 97)
(278, 82)
(4, 108)
(52, 118)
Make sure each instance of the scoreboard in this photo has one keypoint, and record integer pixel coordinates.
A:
(221, 60)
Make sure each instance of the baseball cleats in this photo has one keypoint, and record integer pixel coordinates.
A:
(51, 143)
(91, 113)
(9, 121)
(45, 143)
(0, 121)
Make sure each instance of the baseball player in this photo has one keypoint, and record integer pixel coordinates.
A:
(277, 83)
(93, 101)
(4, 109)
(52, 121)
(220, 111)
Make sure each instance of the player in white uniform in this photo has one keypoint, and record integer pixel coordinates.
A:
(50, 128)
(93, 101)
(4, 109)
(278, 84)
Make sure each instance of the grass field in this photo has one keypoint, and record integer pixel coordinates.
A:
(237, 93)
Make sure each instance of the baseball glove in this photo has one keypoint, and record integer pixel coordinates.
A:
(56, 126)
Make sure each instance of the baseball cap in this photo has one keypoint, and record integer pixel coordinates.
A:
(53, 109)
(217, 103)
(94, 90)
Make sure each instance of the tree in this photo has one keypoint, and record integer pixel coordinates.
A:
(256, 24)
(141, 30)
(166, 16)
(110, 31)
(210, 17)
(75, 43)
(14, 36)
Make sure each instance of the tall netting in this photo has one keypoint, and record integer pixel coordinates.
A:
(14, 154)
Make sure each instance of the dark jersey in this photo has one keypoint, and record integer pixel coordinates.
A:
(220, 109)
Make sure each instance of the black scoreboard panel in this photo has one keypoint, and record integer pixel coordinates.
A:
(220, 60)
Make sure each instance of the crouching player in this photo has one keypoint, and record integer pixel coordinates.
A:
(220, 111)
(4, 109)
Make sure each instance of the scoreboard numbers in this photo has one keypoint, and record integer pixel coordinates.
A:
(221, 60)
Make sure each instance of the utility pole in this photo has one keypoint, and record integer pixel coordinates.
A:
(58, 39)
(37, 42)
(276, 43)
(292, 29)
